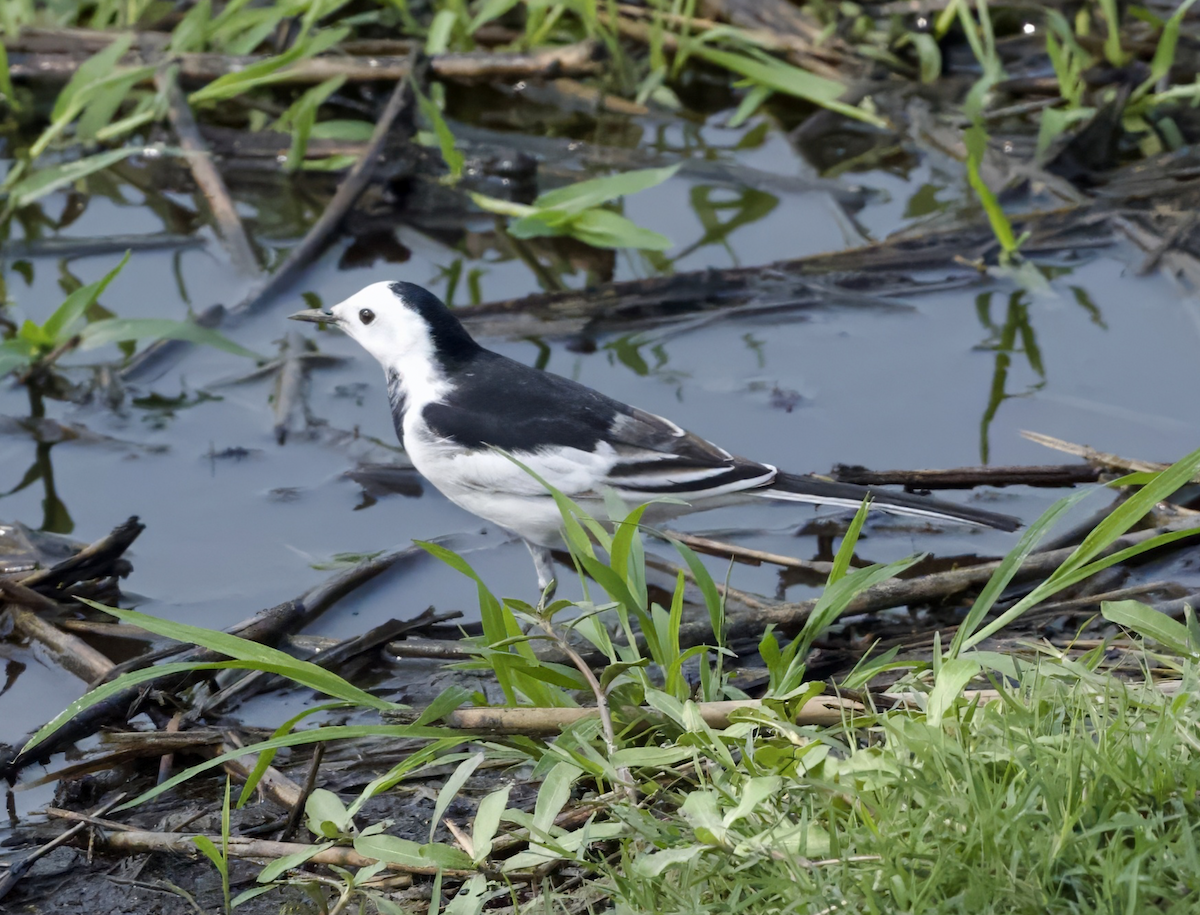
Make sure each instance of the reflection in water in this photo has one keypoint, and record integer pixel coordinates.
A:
(711, 203)
(55, 517)
(1016, 335)
(628, 351)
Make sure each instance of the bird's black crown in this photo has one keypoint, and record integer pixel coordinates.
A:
(451, 342)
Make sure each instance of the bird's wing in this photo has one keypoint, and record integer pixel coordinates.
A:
(580, 440)
(657, 457)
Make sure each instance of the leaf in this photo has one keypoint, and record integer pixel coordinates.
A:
(6, 87)
(975, 138)
(489, 10)
(407, 853)
(326, 815)
(782, 77)
(301, 117)
(280, 866)
(470, 898)
(391, 849)
(440, 31)
(583, 195)
(96, 68)
(552, 796)
(189, 34)
(118, 330)
(450, 789)
(206, 845)
(104, 99)
(47, 180)
(1150, 623)
(754, 792)
(955, 674)
(487, 821)
(349, 131)
(302, 672)
(653, 865)
(651, 756)
(78, 302)
(446, 142)
(268, 71)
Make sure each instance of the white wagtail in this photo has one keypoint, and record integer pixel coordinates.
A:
(458, 406)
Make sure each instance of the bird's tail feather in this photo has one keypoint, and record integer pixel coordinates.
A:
(796, 488)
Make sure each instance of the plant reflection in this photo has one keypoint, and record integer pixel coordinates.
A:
(55, 517)
(1016, 336)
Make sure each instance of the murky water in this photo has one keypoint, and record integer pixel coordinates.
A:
(236, 522)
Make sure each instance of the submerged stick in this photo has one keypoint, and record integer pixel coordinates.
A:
(212, 185)
(1052, 475)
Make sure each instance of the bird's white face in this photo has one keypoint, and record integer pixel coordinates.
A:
(382, 324)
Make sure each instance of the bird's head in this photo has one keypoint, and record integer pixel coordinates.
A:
(399, 324)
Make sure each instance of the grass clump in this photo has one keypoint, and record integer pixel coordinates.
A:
(1070, 792)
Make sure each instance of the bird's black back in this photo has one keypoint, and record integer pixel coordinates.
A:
(500, 402)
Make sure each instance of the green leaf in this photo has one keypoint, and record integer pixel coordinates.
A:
(651, 756)
(1150, 623)
(326, 815)
(348, 131)
(92, 71)
(487, 821)
(105, 98)
(206, 845)
(6, 87)
(1008, 567)
(450, 789)
(268, 71)
(395, 850)
(754, 793)
(302, 672)
(583, 195)
(654, 864)
(953, 677)
(59, 324)
(552, 796)
(301, 117)
(750, 103)
(783, 77)
(446, 142)
(975, 138)
(599, 228)
(45, 181)
(280, 866)
(190, 33)
(441, 30)
(470, 898)
(489, 10)
(118, 330)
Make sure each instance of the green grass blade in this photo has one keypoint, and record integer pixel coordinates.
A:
(119, 330)
(302, 672)
(1012, 562)
(78, 302)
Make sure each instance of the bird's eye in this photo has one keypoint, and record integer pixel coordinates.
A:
(366, 316)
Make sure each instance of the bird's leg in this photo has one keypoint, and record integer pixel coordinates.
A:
(543, 562)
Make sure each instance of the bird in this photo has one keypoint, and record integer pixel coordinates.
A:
(463, 414)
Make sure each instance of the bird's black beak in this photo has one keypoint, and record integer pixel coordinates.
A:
(315, 315)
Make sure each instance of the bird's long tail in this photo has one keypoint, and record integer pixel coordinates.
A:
(792, 487)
